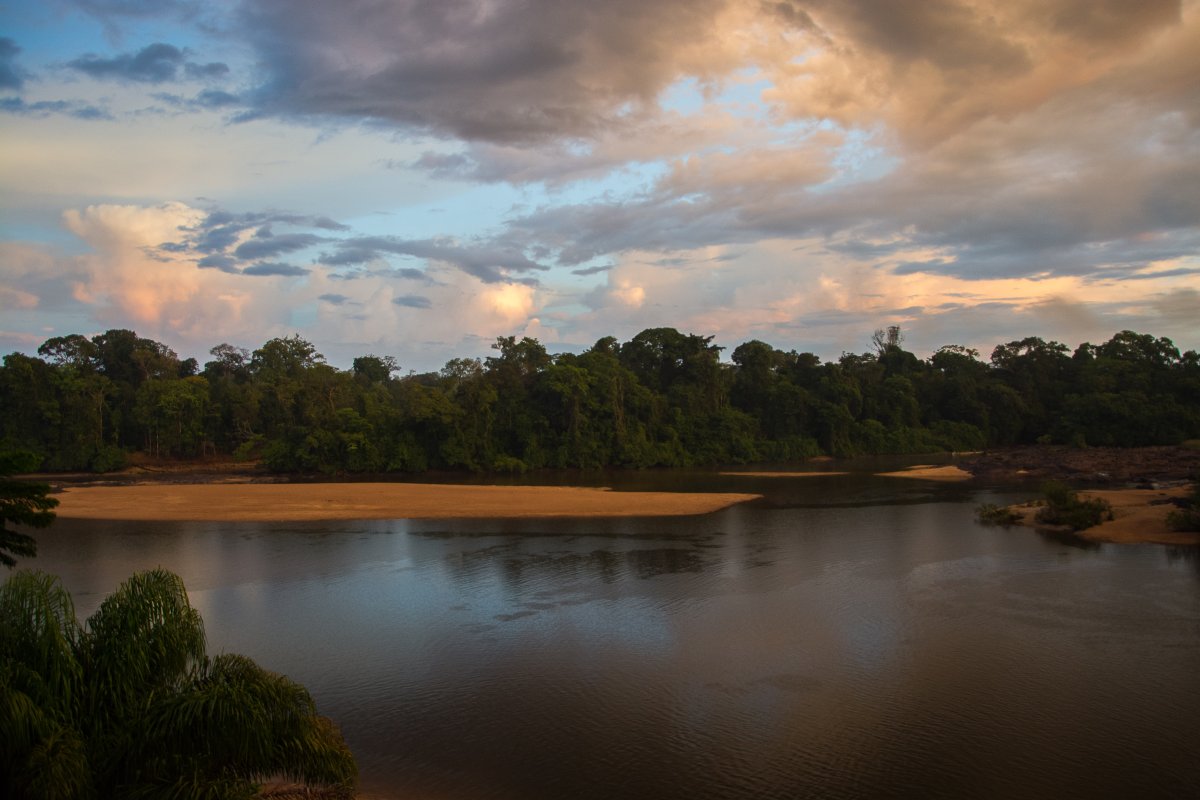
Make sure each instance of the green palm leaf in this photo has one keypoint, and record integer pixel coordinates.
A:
(132, 707)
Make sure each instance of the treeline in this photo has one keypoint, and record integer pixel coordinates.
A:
(663, 398)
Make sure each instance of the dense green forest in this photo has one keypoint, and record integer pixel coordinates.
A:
(663, 398)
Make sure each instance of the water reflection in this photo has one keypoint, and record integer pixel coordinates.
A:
(873, 642)
(1067, 539)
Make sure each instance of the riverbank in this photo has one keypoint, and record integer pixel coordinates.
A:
(281, 502)
(1139, 516)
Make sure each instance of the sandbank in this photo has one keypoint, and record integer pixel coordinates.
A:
(784, 474)
(1139, 516)
(929, 472)
(287, 502)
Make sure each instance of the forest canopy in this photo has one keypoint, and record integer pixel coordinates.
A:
(663, 398)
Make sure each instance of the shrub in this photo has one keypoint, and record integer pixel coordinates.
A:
(1063, 507)
(992, 514)
(509, 464)
(108, 458)
(1187, 519)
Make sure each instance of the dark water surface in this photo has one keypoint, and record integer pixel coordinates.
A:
(844, 637)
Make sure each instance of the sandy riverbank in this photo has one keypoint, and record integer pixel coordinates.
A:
(327, 501)
(776, 474)
(1139, 515)
(929, 472)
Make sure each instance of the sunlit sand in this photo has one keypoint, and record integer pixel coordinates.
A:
(1136, 517)
(785, 474)
(332, 501)
(928, 472)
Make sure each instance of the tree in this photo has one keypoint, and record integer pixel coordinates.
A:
(130, 705)
(882, 339)
(375, 369)
(23, 503)
(290, 356)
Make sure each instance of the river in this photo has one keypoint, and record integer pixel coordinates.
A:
(848, 636)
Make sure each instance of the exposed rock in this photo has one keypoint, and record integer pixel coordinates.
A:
(1111, 466)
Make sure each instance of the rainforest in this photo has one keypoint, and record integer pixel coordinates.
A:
(663, 398)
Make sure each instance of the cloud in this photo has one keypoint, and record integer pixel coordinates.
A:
(783, 169)
(46, 108)
(204, 72)
(412, 301)
(466, 68)
(12, 76)
(592, 270)
(235, 242)
(919, 69)
(215, 98)
(491, 261)
(266, 244)
(155, 63)
(275, 269)
(221, 262)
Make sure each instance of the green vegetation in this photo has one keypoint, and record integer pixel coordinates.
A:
(663, 398)
(1187, 518)
(992, 514)
(131, 706)
(23, 503)
(1063, 507)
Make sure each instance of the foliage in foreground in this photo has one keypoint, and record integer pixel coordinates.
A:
(130, 705)
(1064, 507)
(23, 503)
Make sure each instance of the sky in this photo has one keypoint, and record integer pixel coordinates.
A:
(416, 178)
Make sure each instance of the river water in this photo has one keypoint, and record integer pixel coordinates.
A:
(848, 636)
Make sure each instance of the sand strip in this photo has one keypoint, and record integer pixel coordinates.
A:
(325, 501)
(929, 472)
(783, 474)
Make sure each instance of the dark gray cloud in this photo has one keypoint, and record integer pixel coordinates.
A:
(525, 71)
(285, 270)
(491, 261)
(215, 98)
(155, 63)
(1107, 22)
(221, 241)
(221, 262)
(220, 230)
(207, 100)
(206, 72)
(334, 299)
(12, 76)
(267, 244)
(412, 301)
(946, 33)
(591, 270)
(46, 108)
